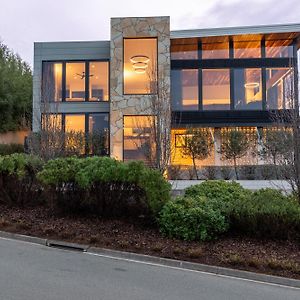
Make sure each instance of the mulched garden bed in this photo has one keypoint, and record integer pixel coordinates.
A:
(281, 258)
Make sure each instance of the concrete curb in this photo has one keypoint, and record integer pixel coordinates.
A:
(24, 238)
(157, 260)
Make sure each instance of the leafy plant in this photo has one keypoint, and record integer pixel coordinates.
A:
(192, 218)
(6, 149)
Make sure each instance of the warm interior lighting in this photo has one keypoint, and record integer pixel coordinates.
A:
(251, 85)
(140, 63)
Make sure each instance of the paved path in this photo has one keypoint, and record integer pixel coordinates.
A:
(34, 272)
(179, 185)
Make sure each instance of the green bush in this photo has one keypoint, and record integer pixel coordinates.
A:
(6, 149)
(192, 218)
(18, 184)
(267, 213)
(105, 186)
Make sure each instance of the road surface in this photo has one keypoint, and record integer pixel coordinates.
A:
(34, 272)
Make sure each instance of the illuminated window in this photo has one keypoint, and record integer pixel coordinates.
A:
(52, 82)
(249, 49)
(52, 122)
(138, 138)
(184, 49)
(216, 89)
(215, 50)
(184, 89)
(98, 81)
(75, 123)
(140, 66)
(279, 48)
(247, 89)
(280, 88)
(75, 81)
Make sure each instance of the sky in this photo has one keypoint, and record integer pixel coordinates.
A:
(23, 22)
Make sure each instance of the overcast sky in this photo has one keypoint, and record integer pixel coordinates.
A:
(24, 21)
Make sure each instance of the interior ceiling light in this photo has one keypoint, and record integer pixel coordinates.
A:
(251, 85)
(140, 63)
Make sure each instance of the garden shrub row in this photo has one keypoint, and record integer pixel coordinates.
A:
(98, 185)
(214, 207)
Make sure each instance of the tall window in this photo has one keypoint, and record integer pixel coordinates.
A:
(184, 89)
(75, 81)
(52, 82)
(247, 89)
(98, 81)
(280, 88)
(216, 89)
(75, 123)
(138, 141)
(279, 48)
(140, 65)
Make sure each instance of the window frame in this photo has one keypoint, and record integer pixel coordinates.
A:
(123, 62)
(86, 123)
(87, 63)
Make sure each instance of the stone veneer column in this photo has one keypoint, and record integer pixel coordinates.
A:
(133, 104)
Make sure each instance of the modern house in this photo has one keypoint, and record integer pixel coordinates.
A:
(215, 78)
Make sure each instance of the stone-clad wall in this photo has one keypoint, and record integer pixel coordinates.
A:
(133, 104)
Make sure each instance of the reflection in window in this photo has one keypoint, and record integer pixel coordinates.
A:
(215, 51)
(98, 81)
(184, 89)
(52, 82)
(247, 89)
(184, 49)
(98, 134)
(138, 140)
(250, 49)
(280, 86)
(75, 123)
(140, 66)
(75, 81)
(279, 48)
(216, 89)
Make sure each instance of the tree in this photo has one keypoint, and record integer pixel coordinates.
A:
(276, 144)
(235, 144)
(197, 145)
(15, 91)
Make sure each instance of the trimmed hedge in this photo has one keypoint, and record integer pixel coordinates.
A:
(7, 149)
(192, 218)
(104, 186)
(18, 183)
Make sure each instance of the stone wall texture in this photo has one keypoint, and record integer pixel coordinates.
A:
(134, 104)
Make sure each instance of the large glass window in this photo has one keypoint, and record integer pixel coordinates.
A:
(280, 88)
(98, 134)
(247, 49)
(52, 82)
(140, 66)
(138, 141)
(98, 81)
(247, 89)
(75, 81)
(75, 123)
(184, 89)
(216, 89)
(279, 48)
(184, 49)
(215, 50)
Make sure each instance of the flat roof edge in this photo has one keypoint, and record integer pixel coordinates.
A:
(261, 29)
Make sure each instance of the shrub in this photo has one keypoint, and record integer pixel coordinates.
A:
(267, 213)
(18, 184)
(105, 186)
(192, 218)
(6, 149)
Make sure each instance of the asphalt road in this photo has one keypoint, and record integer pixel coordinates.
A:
(33, 272)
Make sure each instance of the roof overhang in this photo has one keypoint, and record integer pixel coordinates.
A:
(233, 31)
